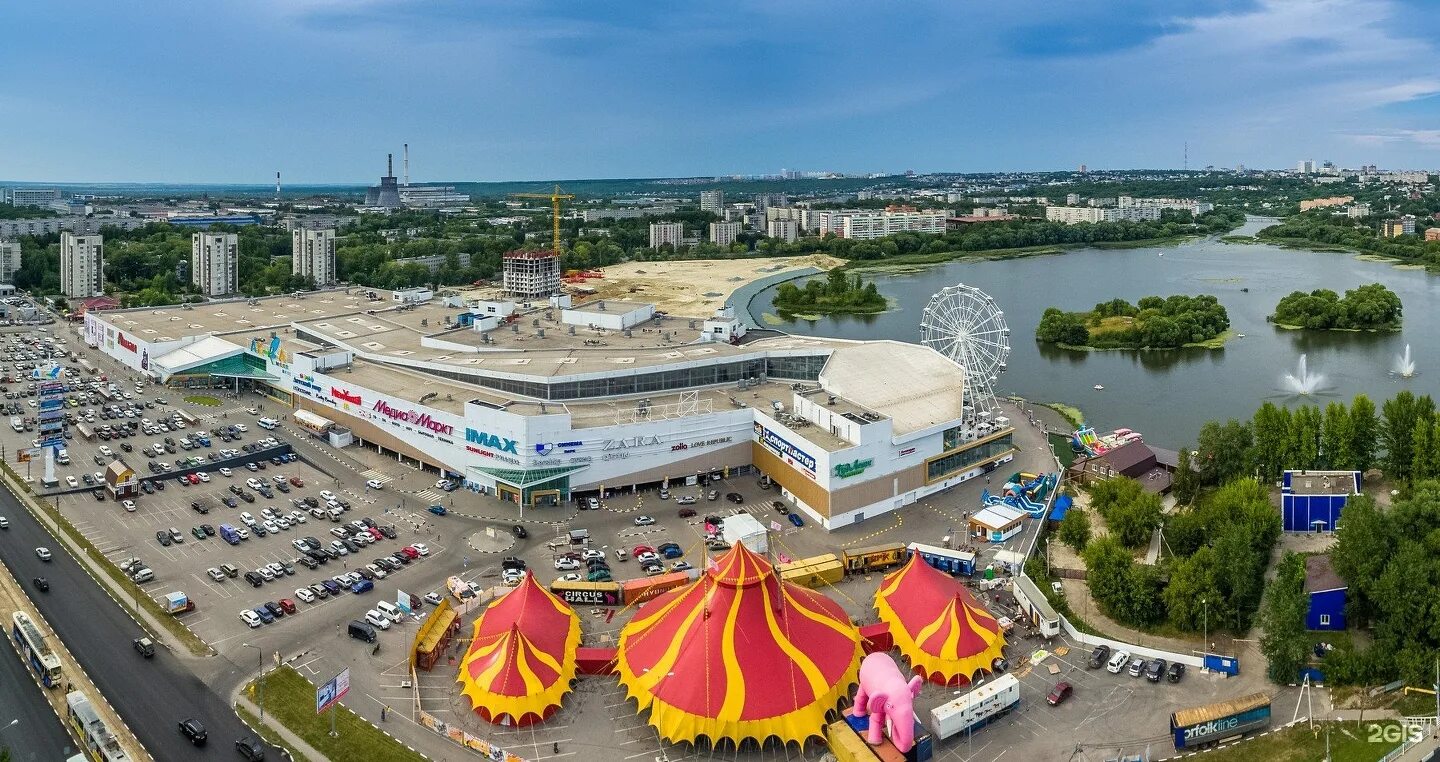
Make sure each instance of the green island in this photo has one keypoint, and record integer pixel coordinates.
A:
(1371, 307)
(1153, 323)
(837, 293)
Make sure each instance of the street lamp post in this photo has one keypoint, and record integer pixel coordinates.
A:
(1205, 644)
(260, 679)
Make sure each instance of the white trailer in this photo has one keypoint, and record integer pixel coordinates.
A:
(1037, 609)
(976, 708)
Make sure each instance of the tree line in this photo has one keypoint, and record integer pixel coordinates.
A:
(1325, 228)
(837, 292)
(1371, 307)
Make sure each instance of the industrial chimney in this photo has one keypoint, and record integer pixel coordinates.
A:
(389, 165)
(407, 165)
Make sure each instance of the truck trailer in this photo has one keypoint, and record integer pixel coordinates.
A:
(976, 708)
(1213, 723)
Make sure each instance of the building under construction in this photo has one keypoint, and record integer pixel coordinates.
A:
(532, 274)
(386, 195)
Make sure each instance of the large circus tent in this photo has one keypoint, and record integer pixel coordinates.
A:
(937, 624)
(521, 658)
(739, 655)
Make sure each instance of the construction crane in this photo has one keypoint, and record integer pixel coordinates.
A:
(555, 197)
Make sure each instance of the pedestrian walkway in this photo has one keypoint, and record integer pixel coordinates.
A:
(379, 476)
(430, 495)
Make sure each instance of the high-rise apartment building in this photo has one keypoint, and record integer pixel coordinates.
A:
(725, 233)
(215, 263)
(864, 224)
(785, 230)
(662, 233)
(41, 197)
(1072, 199)
(312, 255)
(712, 201)
(9, 261)
(531, 274)
(1305, 167)
(82, 265)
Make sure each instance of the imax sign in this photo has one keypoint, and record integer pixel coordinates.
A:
(484, 439)
(422, 420)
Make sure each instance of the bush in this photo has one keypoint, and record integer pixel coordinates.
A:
(1075, 529)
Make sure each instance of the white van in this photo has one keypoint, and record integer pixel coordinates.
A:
(63, 457)
(390, 610)
(266, 423)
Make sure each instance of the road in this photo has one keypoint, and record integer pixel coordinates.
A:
(39, 735)
(151, 695)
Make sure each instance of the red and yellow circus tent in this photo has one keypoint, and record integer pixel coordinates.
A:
(522, 656)
(937, 624)
(738, 654)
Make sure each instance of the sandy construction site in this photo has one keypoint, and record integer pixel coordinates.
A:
(692, 287)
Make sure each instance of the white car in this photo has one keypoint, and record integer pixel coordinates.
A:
(129, 505)
(247, 518)
(266, 574)
(70, 482)
(284, 522)
(645, 558)
(215, 574)
(226, 472)
(1118, 661)
(271, 527)
(564, 564)
(304, 594)
(433, 599)
(339, 548)
(377, 571)
(376, 618)
(593, 554)
(571, 577)
(327, 495)
(421, 548)
(268, 513)
(300, 545)
(106, 451)
(298, 517)
(252, 483)
(644, 521)
(43, 554)
(374, 484)
(278, 478)
(250, 618)
(204, 477)
(240, 427)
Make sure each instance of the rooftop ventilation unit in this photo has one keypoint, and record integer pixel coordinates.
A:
(540, 333)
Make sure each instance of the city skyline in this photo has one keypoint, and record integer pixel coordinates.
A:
(321, 89)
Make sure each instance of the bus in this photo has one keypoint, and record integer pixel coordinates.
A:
(33, 647)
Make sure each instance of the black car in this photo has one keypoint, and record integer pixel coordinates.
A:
(231, 502)
(99, 494)
(42, 584)
(147, 488)
(734, 497)
(127, 447)
(368, 522)
(316, 556)
(1176, 671)
(236, 489)
(401, 557)
(208, 529)
(144, 646)
(194, 731)
(308, 562)
(247, 497)
(160, 486)
(251, 749)
(388, 531)
(254, 579)
(519, 531)
(198, 508)
(1155, 670)
(274, 609)
(366, 573)
(350, 545)
(1099, 656)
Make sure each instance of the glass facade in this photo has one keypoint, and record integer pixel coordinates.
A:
(794, 368)
(961, 461)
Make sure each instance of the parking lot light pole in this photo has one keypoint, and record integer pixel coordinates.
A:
(1205, 644)
(259, 680)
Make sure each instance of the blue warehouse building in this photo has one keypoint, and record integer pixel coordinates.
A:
(1311, 501)
(1326, 593)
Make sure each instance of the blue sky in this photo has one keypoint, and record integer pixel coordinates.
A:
(97, 90)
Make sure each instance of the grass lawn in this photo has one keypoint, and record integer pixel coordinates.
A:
(1349, 742)
(290, 699)
(203, 399)
(268, 734)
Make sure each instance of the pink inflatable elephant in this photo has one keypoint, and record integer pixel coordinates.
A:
(884, 695)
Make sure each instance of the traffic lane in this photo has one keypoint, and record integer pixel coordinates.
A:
(39, 735)
(152, 695)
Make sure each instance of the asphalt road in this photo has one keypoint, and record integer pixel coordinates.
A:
(38, 736)
(151, 695)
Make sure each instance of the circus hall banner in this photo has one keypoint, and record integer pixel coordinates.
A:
(473, 743)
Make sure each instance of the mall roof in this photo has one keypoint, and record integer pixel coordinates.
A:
(915, 386)
(174, 321)
(205, 350)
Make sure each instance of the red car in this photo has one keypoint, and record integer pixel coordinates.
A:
(410, 552)
(296, 481)
(193, 479)
(1059, 693)
(642, 549)
(375, 533)
(287, 605)
(686, 513)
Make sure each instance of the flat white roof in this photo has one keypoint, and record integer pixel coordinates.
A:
(915, 386)
(205, 350)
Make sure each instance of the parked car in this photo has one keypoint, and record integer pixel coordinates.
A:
(1155, 670)
(644, 521)
(1117, 662)
(1176, 671)
(796, 520)
(735, 497)
(1137, 667)
(1059, 693)
(1099, 656)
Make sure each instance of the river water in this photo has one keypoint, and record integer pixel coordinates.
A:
(1167, 395)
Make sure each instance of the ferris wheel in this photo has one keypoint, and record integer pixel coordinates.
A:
(964, 324)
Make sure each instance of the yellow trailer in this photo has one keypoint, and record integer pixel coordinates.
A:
(814, 571)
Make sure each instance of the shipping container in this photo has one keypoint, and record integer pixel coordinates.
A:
(976, 708)
(1213, 723)
(815, 571)
(645, 588)
(587, 593)
(945, 559)
(847, 745)
(874, 558)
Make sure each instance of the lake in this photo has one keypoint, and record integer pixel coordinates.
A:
(1167, 395)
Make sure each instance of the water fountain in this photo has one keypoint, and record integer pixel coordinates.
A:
(1302, 381)
(1404, 366)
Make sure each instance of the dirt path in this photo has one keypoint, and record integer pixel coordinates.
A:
(693, 288)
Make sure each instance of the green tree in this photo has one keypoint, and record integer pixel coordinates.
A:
(1271, 427)
(1401, 414)
(1336, 438)
(1226, 451)
(1133, 521)
(1364, 432)
(1075, 528)
(1192, 580)
(1187, 480)
(1362, 549)
(1283, 639)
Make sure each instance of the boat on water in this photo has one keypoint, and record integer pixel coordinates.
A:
(1099, 388)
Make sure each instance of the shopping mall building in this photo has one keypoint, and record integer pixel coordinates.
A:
(550, 402)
